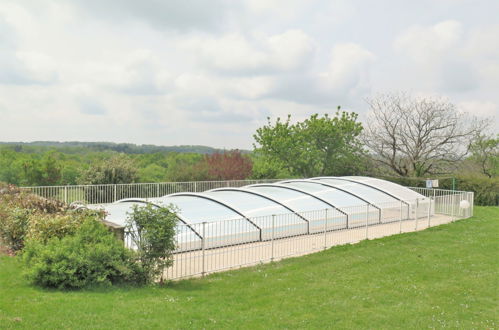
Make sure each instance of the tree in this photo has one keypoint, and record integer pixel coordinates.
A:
(229, 165)
(485, 152)
(152, 230)
(317, 146)
(117, 169)
(417, 136)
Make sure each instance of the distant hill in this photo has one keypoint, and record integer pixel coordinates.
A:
(128, 148)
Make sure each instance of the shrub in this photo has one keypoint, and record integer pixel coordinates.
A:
(152, 230)
(486, 189)
(92, 256)
(43, 227)
(14, 222)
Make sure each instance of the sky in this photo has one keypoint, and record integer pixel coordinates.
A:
(196, 72)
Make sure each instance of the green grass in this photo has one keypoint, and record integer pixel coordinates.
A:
(447, 276)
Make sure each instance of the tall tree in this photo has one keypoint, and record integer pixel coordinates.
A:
(485, 152)
(417, 136)
(317, 146)
(229, 165)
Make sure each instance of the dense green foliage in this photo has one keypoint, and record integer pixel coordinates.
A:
(30, 166)
(90, 256)
(443, 277)
(486, 189)
(315, 147)
(14, 224)
(127, 148)
(152, 230)
(485, 153)
(19, 210)
(43, 227)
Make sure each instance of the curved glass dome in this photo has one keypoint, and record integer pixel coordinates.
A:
(228, 216)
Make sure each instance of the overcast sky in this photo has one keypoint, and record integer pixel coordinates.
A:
(210, 72)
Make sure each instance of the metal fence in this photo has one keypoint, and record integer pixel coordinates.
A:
(208, 247)
(109, 193)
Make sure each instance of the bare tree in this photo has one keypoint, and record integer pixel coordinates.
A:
(416, 136)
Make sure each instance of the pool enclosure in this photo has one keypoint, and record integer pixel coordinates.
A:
(262, 212)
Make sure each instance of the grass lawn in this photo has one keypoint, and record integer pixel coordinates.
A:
(446, 276)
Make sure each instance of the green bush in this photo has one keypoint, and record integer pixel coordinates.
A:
(14, 222)
(152, 230)
(486, 189)
(43, 227)
(92, 256)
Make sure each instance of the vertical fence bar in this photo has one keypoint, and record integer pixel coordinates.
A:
(429, 212)
(115, 195)
(367, 221)
(203, 245)
(416, 214)
(325, 229)
(66, 194)
(400, 223)
(452, 208)
(272, 242)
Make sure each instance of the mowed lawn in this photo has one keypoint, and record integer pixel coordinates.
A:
(447, 276)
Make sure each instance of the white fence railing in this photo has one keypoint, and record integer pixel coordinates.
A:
(208, 247)
(108, 193)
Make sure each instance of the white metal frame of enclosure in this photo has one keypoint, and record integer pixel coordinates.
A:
(221, 246)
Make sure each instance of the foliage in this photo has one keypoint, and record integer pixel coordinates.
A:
(43, 227)
(485, 152)
(152, 230)
(315, 147)
(127, 148)
(14, 222)
(229, 165)
(115, 170)
(447, 278)
(486, 190)
(92, 256)
(418, 136)
(269, 168)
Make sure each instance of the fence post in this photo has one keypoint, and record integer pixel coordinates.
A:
(157, 190)
(400, 224)
(66, 194)
(272, 238)
(203, 244)
(367, 221)
(416, 214)
(195, 187)
(429, 213)
(325, 230)
(115, 195)
(452, 208)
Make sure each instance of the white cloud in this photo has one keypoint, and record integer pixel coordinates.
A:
(426, 43)
(202, 72)
(349, 68)
(237, 54)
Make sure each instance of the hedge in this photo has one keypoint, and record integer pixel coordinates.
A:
(486, 189)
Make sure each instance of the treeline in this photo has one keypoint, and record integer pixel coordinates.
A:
(84, 147)
(54, 166)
